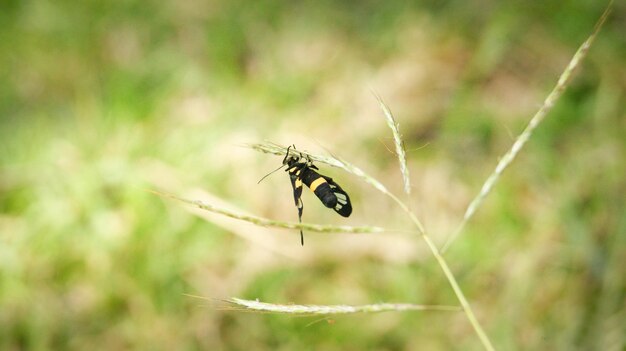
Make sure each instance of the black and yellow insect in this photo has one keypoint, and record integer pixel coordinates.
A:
(303, 171)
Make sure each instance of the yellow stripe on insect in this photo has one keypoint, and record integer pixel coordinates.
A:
(317, 182)
(298, 183)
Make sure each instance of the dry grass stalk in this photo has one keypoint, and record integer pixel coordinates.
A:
(255, 305)
(521, 140)
(273, 223)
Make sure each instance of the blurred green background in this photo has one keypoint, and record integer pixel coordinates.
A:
(101, 101)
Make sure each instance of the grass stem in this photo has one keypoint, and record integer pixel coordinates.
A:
(521, 140)
(264, 222)
(336, 309)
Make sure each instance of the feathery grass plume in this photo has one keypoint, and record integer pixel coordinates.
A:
(521, 140)
(400, 151)
(255, 305)
(273, 223)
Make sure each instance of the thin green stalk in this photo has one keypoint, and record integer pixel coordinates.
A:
(521, 140)
(467, 308)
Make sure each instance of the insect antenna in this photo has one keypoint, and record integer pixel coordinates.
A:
(287, 153)
(265, 176)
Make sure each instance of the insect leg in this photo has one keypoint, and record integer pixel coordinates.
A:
(296, 184)
(287, 154)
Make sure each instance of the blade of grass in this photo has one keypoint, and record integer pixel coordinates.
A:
(336, 309)
(273, 223)
(521, 140)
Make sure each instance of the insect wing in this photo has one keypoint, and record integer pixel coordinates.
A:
(343, 207)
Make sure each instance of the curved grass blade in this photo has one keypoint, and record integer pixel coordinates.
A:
(255, 305)
(521, 140)
(273, 223)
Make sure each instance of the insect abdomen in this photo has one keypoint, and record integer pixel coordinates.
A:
(320, 188)
(325, 194)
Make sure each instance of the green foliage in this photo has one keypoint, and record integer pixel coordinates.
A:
(102, 101)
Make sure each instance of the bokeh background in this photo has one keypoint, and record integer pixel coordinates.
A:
(101, 101)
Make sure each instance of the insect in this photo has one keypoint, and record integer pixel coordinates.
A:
(302, 171)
